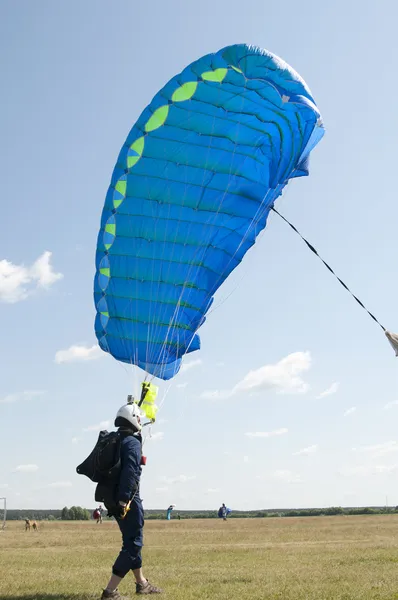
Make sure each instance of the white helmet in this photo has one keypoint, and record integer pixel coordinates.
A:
(132, 414)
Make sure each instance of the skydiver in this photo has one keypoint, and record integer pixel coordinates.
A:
(124, 503)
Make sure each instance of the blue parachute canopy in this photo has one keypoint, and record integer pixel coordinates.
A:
(191, 190)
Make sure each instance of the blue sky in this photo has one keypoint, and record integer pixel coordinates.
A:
(76, 76)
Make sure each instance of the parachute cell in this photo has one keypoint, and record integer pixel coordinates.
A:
(191, 190)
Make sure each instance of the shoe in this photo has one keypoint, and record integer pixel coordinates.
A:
(147, 588)
(115, 595)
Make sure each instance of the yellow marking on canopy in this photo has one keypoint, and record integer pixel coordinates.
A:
(158, 118)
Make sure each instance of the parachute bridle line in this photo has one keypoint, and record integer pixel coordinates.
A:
(314, 251)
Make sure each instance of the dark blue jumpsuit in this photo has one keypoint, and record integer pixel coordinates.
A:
(132, 525)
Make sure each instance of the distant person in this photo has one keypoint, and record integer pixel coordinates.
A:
(98, 514)
(222, 512)
(124, 503)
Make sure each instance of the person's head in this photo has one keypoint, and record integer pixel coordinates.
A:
(129, 417)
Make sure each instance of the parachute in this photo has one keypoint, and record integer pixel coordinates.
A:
(192, 188)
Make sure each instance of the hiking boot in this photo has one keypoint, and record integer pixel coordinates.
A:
(147, 588)
(115, 595)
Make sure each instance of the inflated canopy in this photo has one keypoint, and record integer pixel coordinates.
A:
(192, 188)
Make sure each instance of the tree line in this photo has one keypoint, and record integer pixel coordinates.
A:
(74, 513)
(77, 513)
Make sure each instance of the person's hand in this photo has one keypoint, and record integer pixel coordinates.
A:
(121, 510)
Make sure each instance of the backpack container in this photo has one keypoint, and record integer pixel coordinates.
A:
(103, 465)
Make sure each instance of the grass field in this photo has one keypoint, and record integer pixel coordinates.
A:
(302, 559)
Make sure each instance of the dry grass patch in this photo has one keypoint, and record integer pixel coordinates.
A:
(335, 558)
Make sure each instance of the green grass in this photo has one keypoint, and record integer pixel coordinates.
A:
(331, 558)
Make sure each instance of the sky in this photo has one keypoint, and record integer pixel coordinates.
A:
(292, 400)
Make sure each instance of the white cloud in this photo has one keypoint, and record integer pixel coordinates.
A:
(379, 449)
(42, 271)
(266, 434)
(190, 365)
(178, 479)
(160, 490)
(4, 486)
(287, 476)
(18, 282)
(213, 490)
(329, 391)
(78, 353)
(181, 386)
(350, 411)
(25, 396)
(59, 485)
(75, 440)
(156, 437)
(390, 404)
(367, 470)
(284, 377)
(98, 427)
(26, 468)
(245, 459)
(305, 451)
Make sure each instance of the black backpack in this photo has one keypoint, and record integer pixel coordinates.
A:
(103, 465)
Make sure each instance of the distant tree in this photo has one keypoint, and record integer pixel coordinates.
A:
(84, 514)
(65, 514)
(334, 510)
(75, 513)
